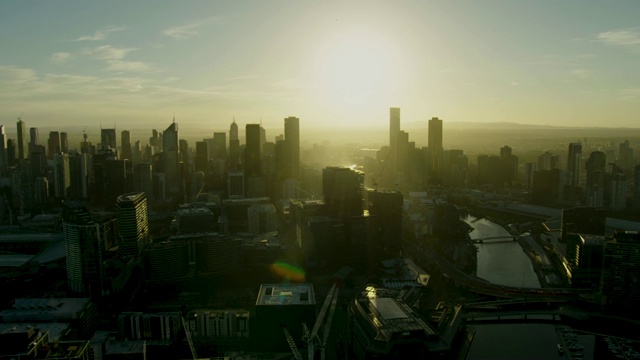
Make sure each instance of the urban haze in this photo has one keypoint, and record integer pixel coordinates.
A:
(319, 180)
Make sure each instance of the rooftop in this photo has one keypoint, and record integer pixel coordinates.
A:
(286, 294)
(57, 331)
(194, 211)
(389, 314)
(54, 309)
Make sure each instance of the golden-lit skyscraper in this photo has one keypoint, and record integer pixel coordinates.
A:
(394, 126)
(435, 149)
(292, 138)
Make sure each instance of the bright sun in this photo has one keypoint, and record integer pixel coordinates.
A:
(357, 69)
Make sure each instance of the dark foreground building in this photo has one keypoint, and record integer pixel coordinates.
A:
(382, 325)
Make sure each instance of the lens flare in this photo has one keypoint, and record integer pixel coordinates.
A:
(286, 271)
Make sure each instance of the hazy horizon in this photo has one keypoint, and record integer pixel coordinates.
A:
(328, 63)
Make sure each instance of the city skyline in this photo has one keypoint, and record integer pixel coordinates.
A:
(330, 64)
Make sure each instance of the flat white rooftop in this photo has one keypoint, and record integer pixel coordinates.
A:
(286, 294)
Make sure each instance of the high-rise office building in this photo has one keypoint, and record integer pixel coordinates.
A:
(620, 284)
(143, 180)
(79, 171)
(184, 152)
(12, 152)
(64, 142)
(435, 149)
(582, 220)
(292, 138)
(125, 140)
(54, 143)
(574, 159)
(170, 144)
(233, 131)
(617, 194)
(133, 223)
(38, 160)
(596, 167)
(61, 175)
(108, 138)
(85, 238)
(219, 145)
(234, 147)
(625, 155)
(394, 126)
(636, 188)
(548, 161)
(343, 190)
(252, 153)
(387, 205)
(202, 156)
(33, 137)
(3, 149)
(115, 180)
(235, 184)
(23, 149)
(529, 169)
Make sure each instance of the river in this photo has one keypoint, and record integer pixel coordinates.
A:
(499, 261)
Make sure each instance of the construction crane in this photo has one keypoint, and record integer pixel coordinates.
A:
(292, 343)
(189, 340)
(311, 338)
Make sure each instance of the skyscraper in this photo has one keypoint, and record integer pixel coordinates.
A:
(61, 175)
(233, 131)
(435, 149)
(3, 149)
(573, 164)
(596, 166)
(292, 138)
(79, 171)
(85, 238)
(202, 156)
(133, 223)
(53, 143)
(343, 190)
(125, 140)
(33, 137)
(170, 145)
(108, 138)
(394, 126)
(23, 150)
(64, 142)
(234, 147)
(252, 153)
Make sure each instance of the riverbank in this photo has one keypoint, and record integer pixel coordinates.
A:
(539, 260)
(498, 261)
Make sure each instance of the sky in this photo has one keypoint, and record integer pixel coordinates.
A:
(330, 63)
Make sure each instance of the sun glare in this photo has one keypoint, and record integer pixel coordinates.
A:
(356, 70)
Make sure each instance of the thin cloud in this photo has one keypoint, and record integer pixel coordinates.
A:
(107, 52)
(626, 38)
(630, 94)
(183, 31)
(100, 34)
(580, 73)
(119, 65)
(60, 57)
(16, 75)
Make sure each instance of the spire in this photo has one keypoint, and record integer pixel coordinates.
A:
(174, 118)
